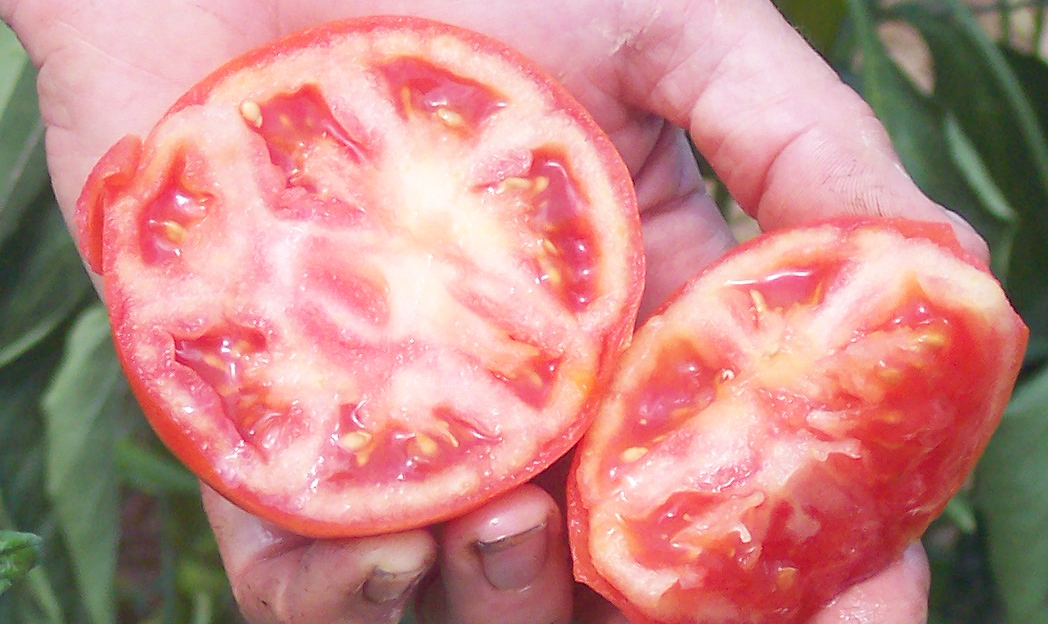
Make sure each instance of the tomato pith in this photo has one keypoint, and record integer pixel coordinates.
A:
(369, 276)
(790, 422)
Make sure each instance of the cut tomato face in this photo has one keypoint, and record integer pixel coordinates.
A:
(367, 277)
(790, 422)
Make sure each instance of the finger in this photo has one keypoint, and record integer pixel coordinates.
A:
(280, 577)
(107, 69)
(790, 140)
(899, 595)
(683, 229)
(506, 562)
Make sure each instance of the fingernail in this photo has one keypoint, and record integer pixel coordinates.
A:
(513, 562)
(960, 222)
(383, 586)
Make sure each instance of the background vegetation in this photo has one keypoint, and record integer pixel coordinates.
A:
(99, 525)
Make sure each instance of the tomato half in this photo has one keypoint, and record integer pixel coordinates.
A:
(369, 276)
(791, 422)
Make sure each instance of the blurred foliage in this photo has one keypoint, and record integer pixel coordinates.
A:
(99, 524)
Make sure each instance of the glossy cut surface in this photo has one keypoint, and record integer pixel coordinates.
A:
(367, 277)
(790, 422)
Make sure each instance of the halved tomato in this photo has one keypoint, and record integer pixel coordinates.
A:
(791, 422)
(367, 277)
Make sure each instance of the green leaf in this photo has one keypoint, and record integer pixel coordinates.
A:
(921, 133)
(43, 281)
(82, 482)
(974, 81)
(818, 20)
(1032, 74)
(49, 591)
(1011, 494)
(19, 552)
(959, 512)
(153, 472)
(23, 174)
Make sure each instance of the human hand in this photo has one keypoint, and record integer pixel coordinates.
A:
(791, 142)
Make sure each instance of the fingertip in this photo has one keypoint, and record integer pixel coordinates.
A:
(276, 575)
(968, 237)
(507, 558)
(897, 594)
(368, 579)
(508, 542)
(397, 565)
(916, 568)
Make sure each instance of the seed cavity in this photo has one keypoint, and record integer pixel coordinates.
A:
(564, 253)
(300, 128)
(422, 90)
(397, 450)
(184, 200)
(229, 358)
(530, 379)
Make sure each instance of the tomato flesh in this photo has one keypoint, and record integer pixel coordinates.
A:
(355, 276)
(791, 422)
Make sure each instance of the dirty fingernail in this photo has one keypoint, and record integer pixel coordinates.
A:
(383, 586)
(514, 561)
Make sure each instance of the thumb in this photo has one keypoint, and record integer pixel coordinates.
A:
(898, 594)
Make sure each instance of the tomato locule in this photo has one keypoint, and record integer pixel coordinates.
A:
(366, 277)
(792, 420)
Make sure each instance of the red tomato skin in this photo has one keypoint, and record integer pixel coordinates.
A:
(115, 173)
(960, 440)
(111, 174)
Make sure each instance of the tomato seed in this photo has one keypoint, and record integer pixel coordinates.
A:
(786, 578)
(251, 111)
(355, 441)
(427, 445)
(760, 305)
(513, 184)
(933, 339)
(450, 118)
(173, 231)
(633, 453)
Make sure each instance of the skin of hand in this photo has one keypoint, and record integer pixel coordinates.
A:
(790, 141)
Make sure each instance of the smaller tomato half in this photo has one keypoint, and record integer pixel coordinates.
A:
(790, 422)
(367, 277)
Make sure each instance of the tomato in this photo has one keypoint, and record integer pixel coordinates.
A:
(790, 422)
(366, 277)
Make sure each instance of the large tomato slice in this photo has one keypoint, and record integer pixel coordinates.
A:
(791, 422)
(367, 277)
